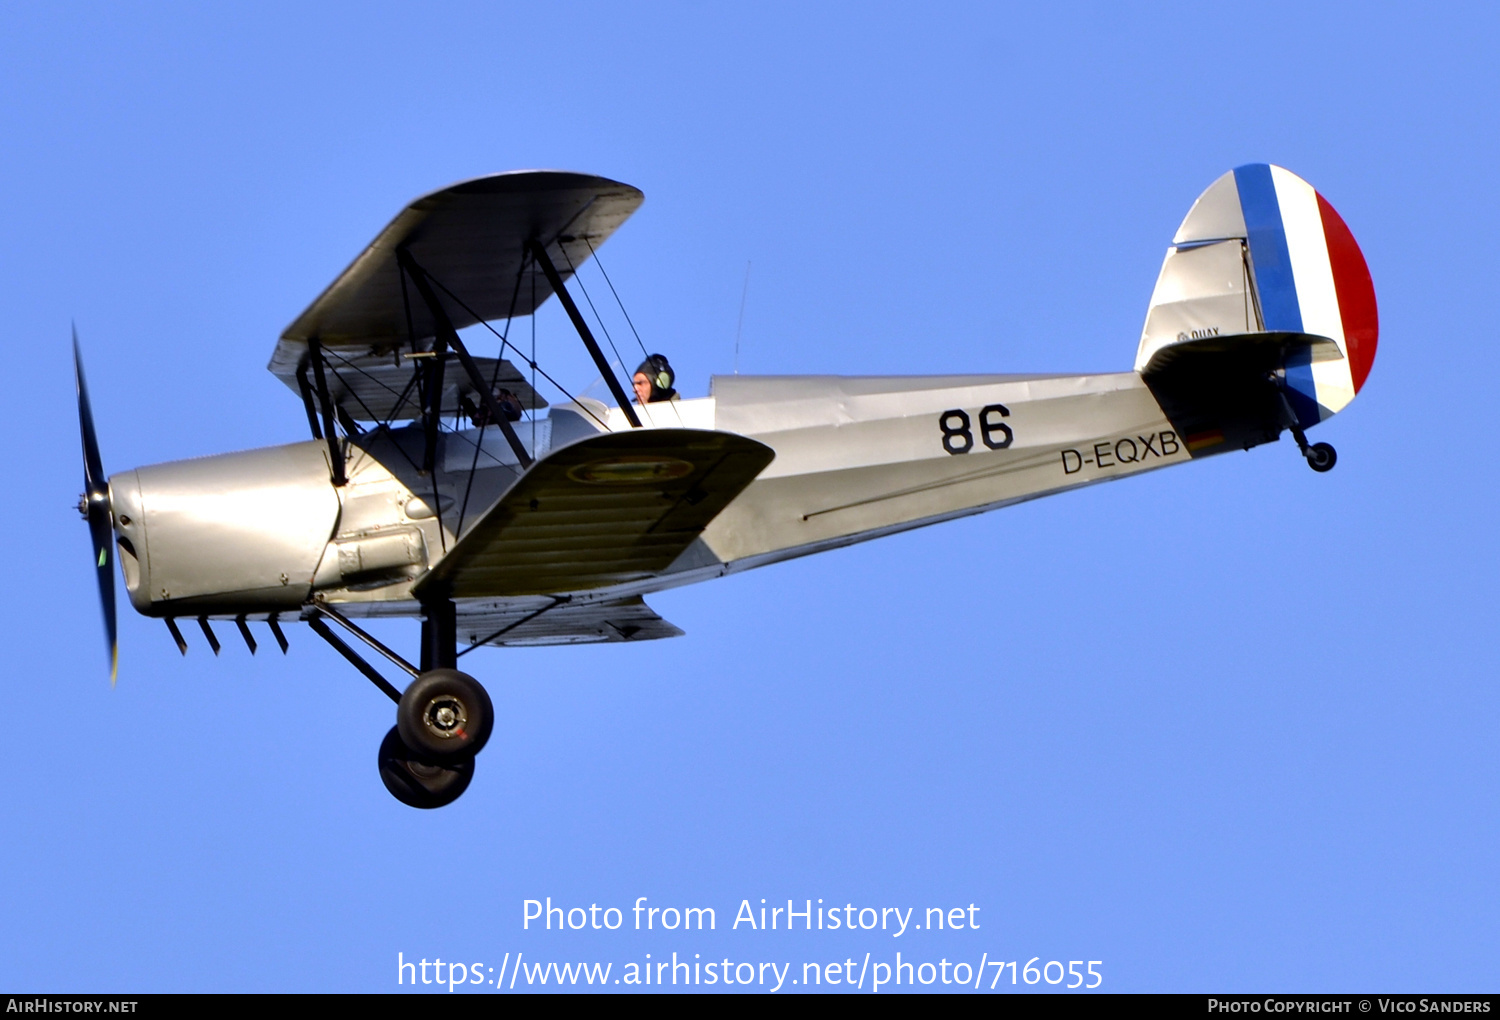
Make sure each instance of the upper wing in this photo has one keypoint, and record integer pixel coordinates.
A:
(470, 238)
(611, 509)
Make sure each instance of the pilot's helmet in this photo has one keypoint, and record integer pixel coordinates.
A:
(659, 372)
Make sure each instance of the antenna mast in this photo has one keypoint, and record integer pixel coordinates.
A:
(739, 326)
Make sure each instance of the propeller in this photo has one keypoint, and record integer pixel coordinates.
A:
(94, 507)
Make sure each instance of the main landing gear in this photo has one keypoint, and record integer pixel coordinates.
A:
(443, 719)
(445, 715)
(418, 781)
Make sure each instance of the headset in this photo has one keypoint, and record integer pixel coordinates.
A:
(658, 370)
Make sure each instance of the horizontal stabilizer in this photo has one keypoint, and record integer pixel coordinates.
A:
(1221, 393)
(550, 622)
(612, 509)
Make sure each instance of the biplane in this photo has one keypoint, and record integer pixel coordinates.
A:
(418, 494)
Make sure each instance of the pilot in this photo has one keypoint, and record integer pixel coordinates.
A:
(653, 380)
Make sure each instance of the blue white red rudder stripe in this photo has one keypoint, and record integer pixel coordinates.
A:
(1261, 251)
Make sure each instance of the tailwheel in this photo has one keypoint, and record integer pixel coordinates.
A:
(1321, 457)
(418, 781)
(445, 715)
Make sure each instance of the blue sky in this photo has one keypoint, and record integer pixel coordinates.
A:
(1225, 727)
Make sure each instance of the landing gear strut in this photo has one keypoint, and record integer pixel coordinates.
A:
(443, 719)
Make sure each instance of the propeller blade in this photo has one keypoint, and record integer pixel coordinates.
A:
(95, 508)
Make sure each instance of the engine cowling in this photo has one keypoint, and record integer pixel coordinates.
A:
(240, 532)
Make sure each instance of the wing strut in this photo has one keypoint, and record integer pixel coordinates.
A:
(539, 252)
(448, 336)
(305, 388)
(335, 448)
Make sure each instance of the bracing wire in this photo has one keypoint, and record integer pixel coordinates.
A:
(494, 380)
(597, 317)
(557, 600)
(616, 293)
(529, 361)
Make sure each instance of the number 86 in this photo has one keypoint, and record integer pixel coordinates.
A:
(958, 439)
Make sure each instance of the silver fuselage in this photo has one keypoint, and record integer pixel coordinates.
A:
(263, 531)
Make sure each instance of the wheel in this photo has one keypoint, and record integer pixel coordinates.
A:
(1321, 457)
(445, 715)
(418, 782)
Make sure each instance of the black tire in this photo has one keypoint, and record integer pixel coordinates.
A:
(445, 715)
(1321, 457)
(418, 782)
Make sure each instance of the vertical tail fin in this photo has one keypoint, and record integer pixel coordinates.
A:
(1262, 252)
